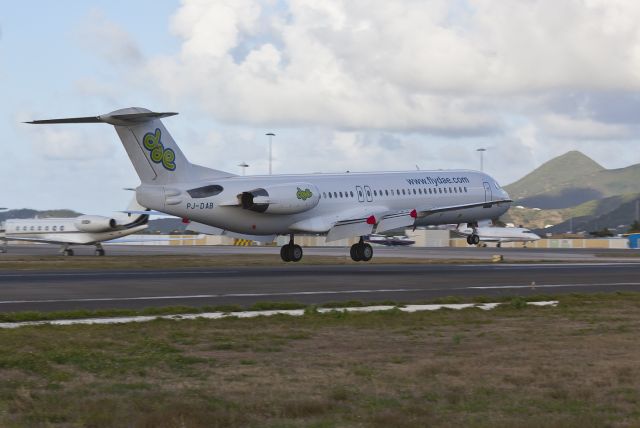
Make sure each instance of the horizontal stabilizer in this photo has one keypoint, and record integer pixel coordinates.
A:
(113, 119)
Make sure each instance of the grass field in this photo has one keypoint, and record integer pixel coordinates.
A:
(575, 365)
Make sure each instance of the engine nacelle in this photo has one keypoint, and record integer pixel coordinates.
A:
(289, 198)
(94, 223)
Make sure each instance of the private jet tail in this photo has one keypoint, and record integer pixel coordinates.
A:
(155, 155)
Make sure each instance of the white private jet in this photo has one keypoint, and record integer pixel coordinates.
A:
(389, 241)
(83, 230)
(495, 234)
(340, 205)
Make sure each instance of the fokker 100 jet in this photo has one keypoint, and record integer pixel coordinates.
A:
(83, 230)
(339, 205)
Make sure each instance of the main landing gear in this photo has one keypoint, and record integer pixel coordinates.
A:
(99, 250)
(291, 252)
(473, 239)
(361, 252)
(67, 252)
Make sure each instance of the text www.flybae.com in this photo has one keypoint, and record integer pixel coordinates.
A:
(438, 180)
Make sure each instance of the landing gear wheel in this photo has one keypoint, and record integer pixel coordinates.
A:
(355, 253)
(291, 253)
(99, 252)
(295, 251)
(285, 253)
(67, 252)
(361, 252)
(475, 239)
(366, 251)
(469, 241)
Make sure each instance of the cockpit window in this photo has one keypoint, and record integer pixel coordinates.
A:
(205, 191)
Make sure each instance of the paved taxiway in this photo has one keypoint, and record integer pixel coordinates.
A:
(64, 290)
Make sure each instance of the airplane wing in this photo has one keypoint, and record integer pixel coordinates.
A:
(356, 222)
(364, 220)
(434, 210)
(216, 231)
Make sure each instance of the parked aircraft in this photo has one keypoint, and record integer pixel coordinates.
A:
(391, 241)
(495, 234)
(83, 230)
(340, 205)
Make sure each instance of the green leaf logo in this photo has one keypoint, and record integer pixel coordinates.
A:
(304, 194)
(158, 154)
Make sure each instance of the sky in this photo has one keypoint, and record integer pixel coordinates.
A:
(344, 84)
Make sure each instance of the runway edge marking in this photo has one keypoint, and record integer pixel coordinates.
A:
(253, 314)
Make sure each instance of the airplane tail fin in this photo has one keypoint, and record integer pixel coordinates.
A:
(155, 155)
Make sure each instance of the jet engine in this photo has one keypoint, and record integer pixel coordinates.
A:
(94, 223)
(289, 198)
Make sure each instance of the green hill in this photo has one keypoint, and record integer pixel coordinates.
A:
(570, 180)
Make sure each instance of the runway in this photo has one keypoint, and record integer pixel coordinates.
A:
(66, 290)
(437, 253)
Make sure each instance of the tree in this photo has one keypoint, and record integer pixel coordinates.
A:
(635, 227)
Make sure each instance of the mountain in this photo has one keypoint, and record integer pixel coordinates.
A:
(582, 214)
(570, 180)
(618, 220)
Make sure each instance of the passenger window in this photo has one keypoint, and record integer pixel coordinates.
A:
(340, 194)
(386, 192)
(54, 228)
(414, 192)
(335, 194)
(46, 228)
(351, 193)
(375, 193)
(61, 228)
(329, 195)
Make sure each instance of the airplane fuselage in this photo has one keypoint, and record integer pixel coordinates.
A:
(359, 193)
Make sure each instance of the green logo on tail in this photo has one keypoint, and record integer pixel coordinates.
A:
(304, 194)
(158, 153)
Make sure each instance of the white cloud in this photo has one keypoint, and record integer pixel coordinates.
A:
(109, 39)
(581, 129)
(54, 143)
(437, 67)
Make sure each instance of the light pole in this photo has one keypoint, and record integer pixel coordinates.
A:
(270, 135)
(243, 165)
(481, 150)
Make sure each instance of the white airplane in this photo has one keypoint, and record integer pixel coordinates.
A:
(495, 234)
(83, 230)
(391, 241)
(341, 205)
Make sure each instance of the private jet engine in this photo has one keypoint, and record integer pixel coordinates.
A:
(290, 198)
(94, 223)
